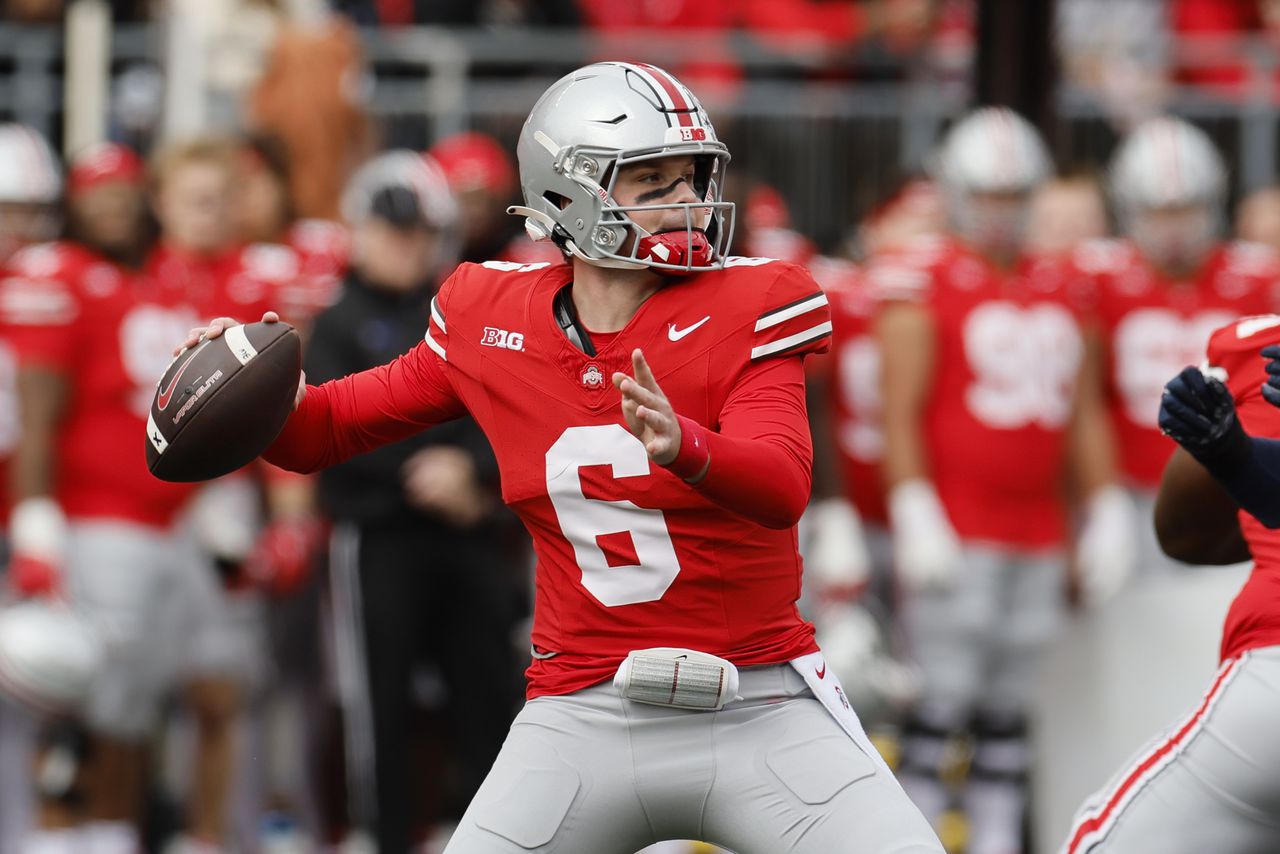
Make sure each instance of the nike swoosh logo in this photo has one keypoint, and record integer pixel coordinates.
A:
(822, 674)
(676, 334)
(167, 392)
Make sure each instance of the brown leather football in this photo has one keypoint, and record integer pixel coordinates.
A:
(223, 402)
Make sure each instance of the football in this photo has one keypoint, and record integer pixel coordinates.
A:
(223, 402)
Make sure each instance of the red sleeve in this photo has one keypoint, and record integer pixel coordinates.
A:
(364, 411)
(761, 460)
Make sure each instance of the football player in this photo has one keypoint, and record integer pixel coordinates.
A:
(646, 405)
(30, 192)
(1209, 782)
(90, 521)
(1160, 292)
(982, 346)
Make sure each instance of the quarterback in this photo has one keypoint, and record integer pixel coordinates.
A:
(646, 404)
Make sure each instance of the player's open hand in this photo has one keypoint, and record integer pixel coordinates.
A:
(648, 414)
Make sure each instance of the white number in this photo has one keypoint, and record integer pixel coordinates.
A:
(147, 336)
(8, 399)
(584, 519)
(1024, 361)
(860, 434)
(1153, 344)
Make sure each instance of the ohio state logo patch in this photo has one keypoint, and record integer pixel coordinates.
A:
(593, 377)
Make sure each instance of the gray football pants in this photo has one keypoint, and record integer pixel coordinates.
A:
(593, 773)
(1211, 783)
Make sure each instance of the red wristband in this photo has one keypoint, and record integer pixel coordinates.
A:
(694, 455)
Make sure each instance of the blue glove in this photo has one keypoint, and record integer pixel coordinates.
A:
(1198, 413)
(1271, 388)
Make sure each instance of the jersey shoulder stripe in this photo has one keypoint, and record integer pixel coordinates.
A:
(796, 316)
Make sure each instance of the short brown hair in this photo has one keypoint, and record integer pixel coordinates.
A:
(220, 151)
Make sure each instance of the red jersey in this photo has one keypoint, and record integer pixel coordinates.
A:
(240, 283)
(111, 333)
(1152, 328)
(630, 556)
(1008, 350)
(854, 388)
(1254, 617)
(323, 250)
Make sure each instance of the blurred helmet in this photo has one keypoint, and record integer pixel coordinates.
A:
(29, 170)
(403, 187)
(474, 161)
(1169, 182)
(856, 646)
(583, 130)
(991, 152)
(49, 655)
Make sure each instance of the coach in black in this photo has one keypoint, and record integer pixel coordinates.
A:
(419, 569)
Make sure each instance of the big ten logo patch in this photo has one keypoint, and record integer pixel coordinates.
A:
(148, 335)
(494, 337)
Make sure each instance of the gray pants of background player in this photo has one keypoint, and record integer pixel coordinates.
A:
(772, 773)
(1211, 783)
(978, 642)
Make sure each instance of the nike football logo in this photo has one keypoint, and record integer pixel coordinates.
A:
(167, 392)
(676, 334)
(822, 672)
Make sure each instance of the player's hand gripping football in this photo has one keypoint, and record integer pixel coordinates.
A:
(1198, 413)
(221, 324)
(648, 413)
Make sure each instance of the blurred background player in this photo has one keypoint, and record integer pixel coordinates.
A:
(982, 347)
(1160, 291)
(483, 180)
(419, 575)
(200, 254)
(264, 213)
(90, 522)
(30, 195)
(1066, 211)
(1209, 781)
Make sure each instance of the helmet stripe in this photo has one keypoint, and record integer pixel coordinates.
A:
(679, 103)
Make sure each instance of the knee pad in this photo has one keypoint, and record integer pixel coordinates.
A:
(925, 744)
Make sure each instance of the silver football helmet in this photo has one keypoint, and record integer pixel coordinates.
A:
(49, 655)
(1169, 183)
(588, 125)
(30, 188)
(991, 152)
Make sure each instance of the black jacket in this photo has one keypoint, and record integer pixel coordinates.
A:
(363, 329)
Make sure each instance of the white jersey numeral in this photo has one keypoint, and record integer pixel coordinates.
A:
(860, 435)
(1150, 346)
(584, 519)
(147, 334)
(1024, 361)
(8, 399)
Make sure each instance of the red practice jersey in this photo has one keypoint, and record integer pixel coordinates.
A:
(1254, 618)
(1008, 350)
(111, 334)
(1152, 328)
(630, 556)
(240, 283)
(853, 368)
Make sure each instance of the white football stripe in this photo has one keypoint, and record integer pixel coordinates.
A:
(239, 344)
(437, 316)
(431, 342)
(153, 433)
(785, 314)
(792, 340)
